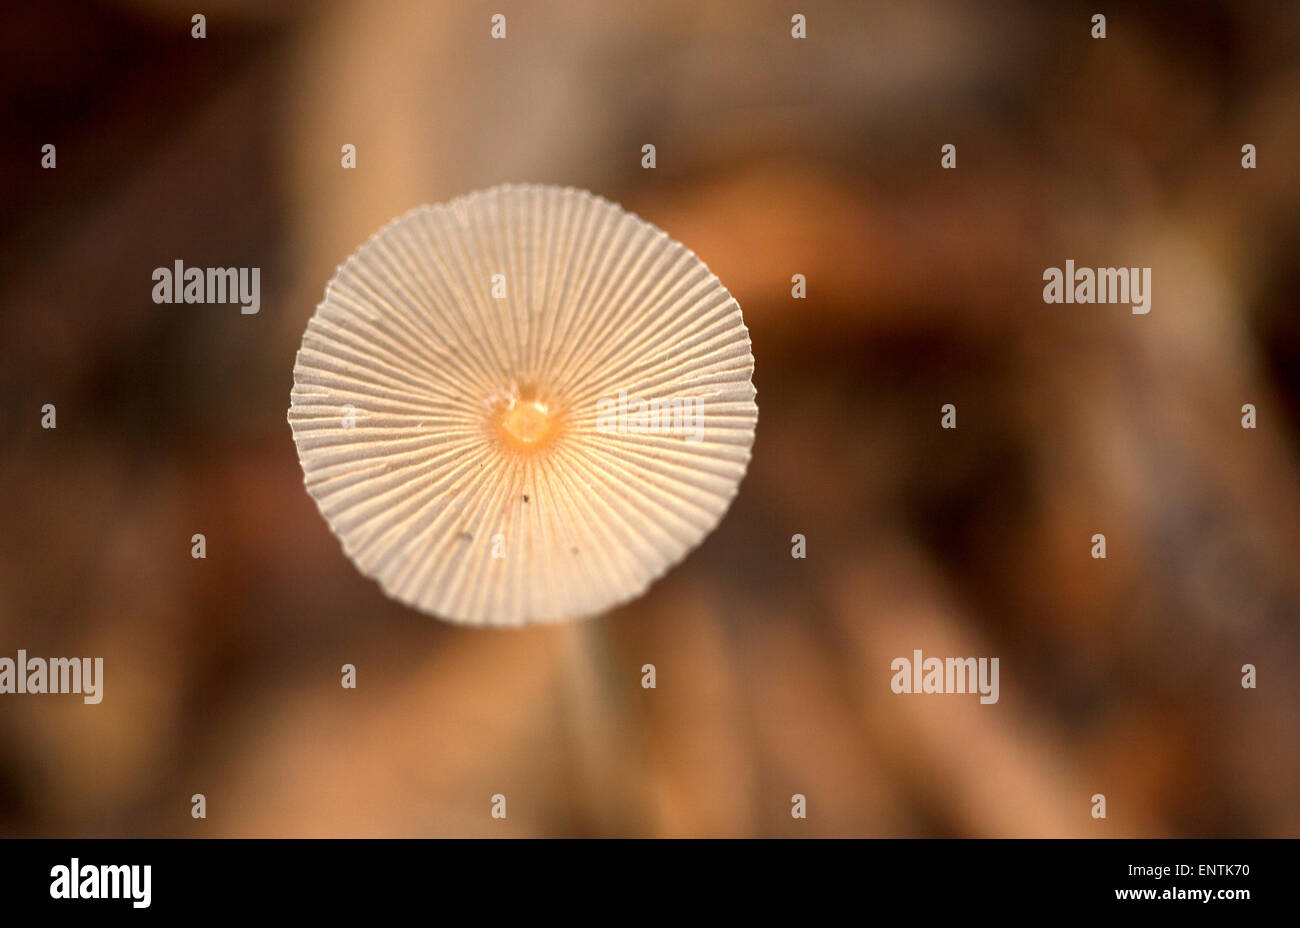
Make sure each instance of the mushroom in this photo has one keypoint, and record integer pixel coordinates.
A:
(524, 405)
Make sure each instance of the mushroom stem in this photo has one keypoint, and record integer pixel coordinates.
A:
(597, 712)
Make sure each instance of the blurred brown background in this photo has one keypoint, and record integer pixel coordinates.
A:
(775, 157)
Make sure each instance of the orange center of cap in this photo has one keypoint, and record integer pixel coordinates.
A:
(525, 424)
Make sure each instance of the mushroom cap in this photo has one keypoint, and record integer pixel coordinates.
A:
(524, 405)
